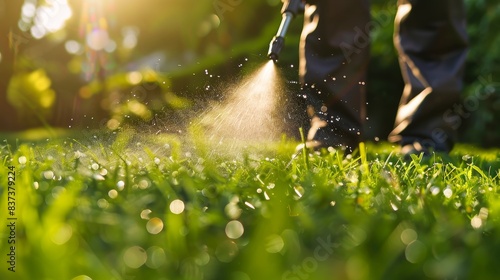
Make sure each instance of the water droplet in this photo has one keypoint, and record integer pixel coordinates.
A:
(48, 174)
(448, 192)
(143, 184)
(476, 222)
(394, 206)
(177, 206)
(120, 185)
(435, 190)
(299, 191)
(95, 166)
(22, 160)
(249, 205)
(232, 210)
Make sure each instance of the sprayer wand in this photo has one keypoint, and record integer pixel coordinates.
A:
(289, 10)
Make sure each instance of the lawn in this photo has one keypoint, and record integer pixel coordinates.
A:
(130, 205)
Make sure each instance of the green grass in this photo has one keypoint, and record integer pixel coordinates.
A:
(107, 207)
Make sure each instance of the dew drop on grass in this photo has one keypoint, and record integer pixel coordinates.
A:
(22, 160)
(299, 191)
(394, 206)
(232, 210)
(234, 229)
(266, 196)
(48, 174)
(154, 226)
(448, 192)
(177, 206)
(476, 222)
(120, 185)
(95, 166)
(250, 205)
(435, 190)
(143, 184)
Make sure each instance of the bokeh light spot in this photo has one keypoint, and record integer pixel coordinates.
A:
(156, 257)
(226, 251)
(62, 234)
(82, 277)
(113, 194)
(135, 257)
(234, 229)
(415, 252)
(145, 214)
(97, 39)
(177, 206)
(274, 243)
(408, 235)
(154, 226)
(72, 47)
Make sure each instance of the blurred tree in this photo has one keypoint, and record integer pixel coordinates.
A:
(11, 40)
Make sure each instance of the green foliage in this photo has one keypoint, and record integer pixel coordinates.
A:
(482, 95)
(32, 95)
(128, 205)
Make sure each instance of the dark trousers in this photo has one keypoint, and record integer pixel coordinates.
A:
(431, 40)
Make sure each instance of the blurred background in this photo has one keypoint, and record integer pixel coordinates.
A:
(78, 64)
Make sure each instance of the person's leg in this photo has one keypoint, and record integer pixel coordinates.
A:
(431, 39)
(333, 62)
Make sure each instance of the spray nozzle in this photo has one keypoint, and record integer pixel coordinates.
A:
(290, 9)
